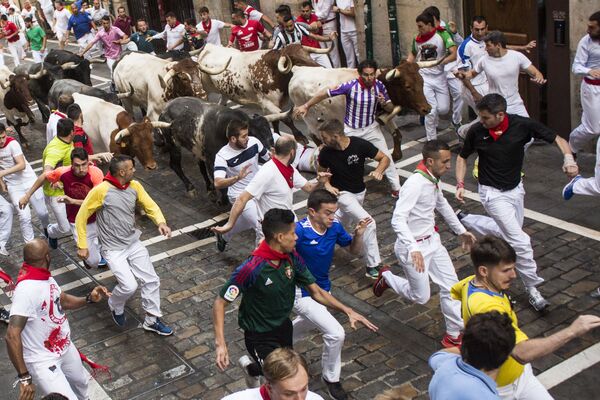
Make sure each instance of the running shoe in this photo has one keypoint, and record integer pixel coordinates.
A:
(251, 381)
(568, 190)
(221, 242)
(450, 341)
(537, 301)
(158, 327)
(335, 390)
(380, 284)
(119, 319)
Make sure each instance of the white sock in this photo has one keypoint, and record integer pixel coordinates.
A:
(150, 319)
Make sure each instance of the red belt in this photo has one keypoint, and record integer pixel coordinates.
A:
(424, 238)
(595, 82)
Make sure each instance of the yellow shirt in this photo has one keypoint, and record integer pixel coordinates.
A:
(56, 154)
(477, 301)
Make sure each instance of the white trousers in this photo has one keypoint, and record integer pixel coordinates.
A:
(128, 265)
(526, 387)
(322, 60)
(83, 42)
(506, 210)
(350, 46)
(373, 134)
(482, 89)
(415, 287)
(17, 51)
(68, 377)
(248, 219)
(435, 88)
(351, 211)
(313, 315)
(590, 186)
(37, 202)
(109, 63)
(6, 218)
(62, 227)
(328, 28)
(49, 15)
(590, 117)
(38, 56)
(92, 242)
(455, 87)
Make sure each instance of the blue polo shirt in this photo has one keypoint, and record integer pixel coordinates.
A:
(80, 23)
(456, 380)
(317, 249)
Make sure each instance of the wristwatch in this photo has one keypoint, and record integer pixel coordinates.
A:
(88, 298)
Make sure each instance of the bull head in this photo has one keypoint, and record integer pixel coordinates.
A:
(38, 74)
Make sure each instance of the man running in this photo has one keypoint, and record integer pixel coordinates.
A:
(61, 22)
(245, 31)
(36, 40)
(172, 34)
(10, 32)
(111, 38)
(308, 17)
(114, 202)
(210, 28)
(81, 24)
(418, 247)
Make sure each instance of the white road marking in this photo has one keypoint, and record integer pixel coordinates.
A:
(570, 367)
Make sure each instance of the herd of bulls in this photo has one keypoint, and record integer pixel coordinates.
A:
(172, 96)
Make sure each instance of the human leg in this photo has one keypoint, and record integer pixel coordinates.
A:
(6, 218)
(62, 227)
(348, 46)
(247, 220)
(375, 136)
(75, 372)
(415, 287)
(143, 270)
(260, 345)
(93, 246)
(126, 283)
(456, 88)
(525, 387)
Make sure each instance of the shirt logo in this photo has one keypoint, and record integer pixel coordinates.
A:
(268, 282)
(314, 242)
(231, 293)
(486, 137)
(352, 159)
(288, 272)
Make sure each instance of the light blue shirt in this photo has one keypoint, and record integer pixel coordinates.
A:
(456, 380)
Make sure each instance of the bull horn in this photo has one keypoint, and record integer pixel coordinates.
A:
(318, 51)
(127, 94)
(195, 52)
(393, 73)
(121, 134)
(97, 60)
(69, 65)
(167, 78)
(385, 119)
(169, 66)
(277, 116)
(215, 70)
(429, 64)
(160, 124)
(38, 74)
(285, 64)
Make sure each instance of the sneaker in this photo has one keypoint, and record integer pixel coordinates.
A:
(460, 214)
(251, 381)
(373, 272)
(52, 242)
(158, 327)
(335, 390)
(537, 301)
(450, 341)
(568, 190)
(380, 284)
(4, 315)
(595, 294)
(119, 319)
(395, 194)
(103, 263)
(221, 242)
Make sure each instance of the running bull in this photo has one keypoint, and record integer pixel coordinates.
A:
(15, 101)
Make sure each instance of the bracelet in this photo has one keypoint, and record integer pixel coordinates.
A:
(23, 375)
(460, 185)
(24, 381)
(88, 298)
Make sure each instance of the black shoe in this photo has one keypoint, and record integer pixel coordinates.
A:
(595, 294)
(221, 242)
(335, 390)
(53, 243)
(4, 315)
(460, 214)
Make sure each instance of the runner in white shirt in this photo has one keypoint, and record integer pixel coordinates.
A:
(47, 12)
(307, 158)
(29, 11)
(172, 34)
(64, 101)
(38, 338)
(418, 246)
(19, 177)
(6, 219)
(61, 22)
(273, 186)
(210, 28)
(348, 30)
(324, 11)
(235, 166)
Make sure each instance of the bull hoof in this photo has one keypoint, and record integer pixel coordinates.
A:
(192, 193)
(25, 145)
(303, 140)
(397, 154)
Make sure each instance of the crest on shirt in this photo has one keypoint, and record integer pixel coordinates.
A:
(352, 159)
(288, 271)
(428, 52)
(231, 293)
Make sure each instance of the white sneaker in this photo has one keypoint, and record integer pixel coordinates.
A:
(536, 299)
(251, 381)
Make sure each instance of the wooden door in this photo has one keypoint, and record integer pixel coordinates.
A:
(147, 9)
(184, 9)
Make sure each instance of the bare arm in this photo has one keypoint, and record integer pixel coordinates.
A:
(268, 21)
(234, 214)
(356, 247)
(451, 57)
(70, 302)
(36, 185)
(19, 166)
(384, 163)
(222, 358)
(222, 183)
(535, 74)
(300, 111)
(461, 170)
(14, 346)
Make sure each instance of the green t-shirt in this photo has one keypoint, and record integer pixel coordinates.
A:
(35, 36)
(56, 154)
(268, 292)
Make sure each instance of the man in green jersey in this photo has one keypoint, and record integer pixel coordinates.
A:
(36, 40)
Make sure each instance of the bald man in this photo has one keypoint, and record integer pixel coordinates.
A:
(38, 338)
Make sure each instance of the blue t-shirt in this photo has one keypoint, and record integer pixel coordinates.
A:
(456, 380)
(317, 250)
(81, 24)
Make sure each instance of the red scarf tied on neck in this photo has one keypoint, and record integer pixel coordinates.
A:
(115, 182)
(33, 273)
(497, 131)
(422, 170)
(7, 141)
(286, 170)
(265, 251)
(423, 38)
(206, 26)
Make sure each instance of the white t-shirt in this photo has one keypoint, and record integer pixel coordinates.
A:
(347, 24)
(172, 36)
(229, 162)
(270, 189)
(47, 334)
(213, 36)
(45, 4)
(253, 13)
(62, 19)
(52, 125)
(7, 160)
(431, 50)
(254, 394)
(31, 13)
(503, 74)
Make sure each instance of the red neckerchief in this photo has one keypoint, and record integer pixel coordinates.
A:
(265, 251)
(60, 114)
(34, 273)
(263, 393)
(8, 280)
(206, 27)
(286, 170)
(7, 141)
(113, 181)
(497, 131)
(423, 38)
(422, 170)
(177, 23)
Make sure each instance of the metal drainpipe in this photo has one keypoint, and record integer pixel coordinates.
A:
(368, 30)
(394, 38)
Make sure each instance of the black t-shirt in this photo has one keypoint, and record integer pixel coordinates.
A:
(501, 161)
(348, 166)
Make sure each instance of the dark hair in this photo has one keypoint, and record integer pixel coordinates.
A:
(141, 20)
(306, 4)
(239, 13)
(190, 21)
(234, 128)
(27, 19)
(492, 103)
(320, 196)
(479, 19)
(433, 11)
(2, 127)
(115, 163)
(79, 153)
(491, 251)
(366, 64)
(64, 127)
(425, 18)
(331, 126)
(54, 396)
(276, 221)
(105, 18)
(595, 17)
(4, 17)
(284, 145)
(488, 340)
(73, 111)
(284, 10)
(64, 101)
(170, 14)
(431, 148)
(203, 10)
(496, 37)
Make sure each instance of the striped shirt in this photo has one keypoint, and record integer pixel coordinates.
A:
(361, 102)
(285, 38)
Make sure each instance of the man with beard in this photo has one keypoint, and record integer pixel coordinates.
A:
(293, 33)
(140, 38)
(246, 32)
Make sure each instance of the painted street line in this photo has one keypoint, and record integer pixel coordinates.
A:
(570, 367)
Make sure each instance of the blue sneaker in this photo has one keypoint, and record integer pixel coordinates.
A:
(119, 319)
(568, 190)
(158, 327)
(103, 263)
